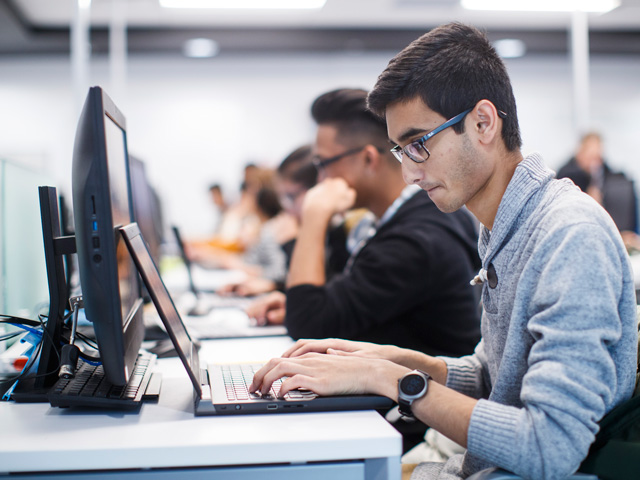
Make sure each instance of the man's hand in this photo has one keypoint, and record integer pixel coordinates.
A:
(322, 202)
(338, 346)
(331, 196)
(411, 359)
(330, 375)
(249, 287)
(269, 309)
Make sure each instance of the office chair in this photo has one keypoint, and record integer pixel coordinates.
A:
(619, 200)
(500, 474)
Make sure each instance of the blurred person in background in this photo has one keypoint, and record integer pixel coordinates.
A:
(613, 190)
(217, 198)
(294, 177)
(261, 227)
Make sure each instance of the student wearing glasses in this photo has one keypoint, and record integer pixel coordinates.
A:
(407, 281)
(295, 175)
(559, 329)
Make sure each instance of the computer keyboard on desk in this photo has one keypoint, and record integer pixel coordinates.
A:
(90, 387)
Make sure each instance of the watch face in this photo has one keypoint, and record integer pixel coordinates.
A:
(412, 384)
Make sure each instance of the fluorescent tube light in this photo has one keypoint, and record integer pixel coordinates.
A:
(510, 47)
(200, 48)
(600, 6)
(245, 4)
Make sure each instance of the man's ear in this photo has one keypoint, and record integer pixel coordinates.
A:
(372, 157)
(487, 123)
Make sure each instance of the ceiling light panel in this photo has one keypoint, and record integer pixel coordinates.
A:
(245, 4)
(600, 6)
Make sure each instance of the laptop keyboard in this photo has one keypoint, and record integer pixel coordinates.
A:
(237, 379)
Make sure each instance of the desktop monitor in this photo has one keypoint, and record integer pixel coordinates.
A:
(147, 208)
(102, 203)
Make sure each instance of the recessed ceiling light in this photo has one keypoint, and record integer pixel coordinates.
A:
(600, 6)
(244, 4)
(510, 47)
(200, 48)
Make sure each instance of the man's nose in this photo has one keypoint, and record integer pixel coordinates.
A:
(411, 171)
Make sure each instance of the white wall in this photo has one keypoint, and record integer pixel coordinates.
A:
(198, 121)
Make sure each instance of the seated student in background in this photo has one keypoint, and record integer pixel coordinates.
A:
(613, 190)
(294, 176)
(408, 284)
(239, 224)
(559, 330)
(262, 257)
(220, 204)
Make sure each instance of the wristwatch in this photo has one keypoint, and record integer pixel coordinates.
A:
(411, 387)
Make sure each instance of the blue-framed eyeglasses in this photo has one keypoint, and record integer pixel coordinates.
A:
(416, 150)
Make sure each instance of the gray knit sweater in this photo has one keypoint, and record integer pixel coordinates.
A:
(559, 332)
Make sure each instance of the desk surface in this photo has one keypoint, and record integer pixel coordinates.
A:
(37, 437)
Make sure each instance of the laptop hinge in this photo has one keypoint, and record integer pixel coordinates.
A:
(204, 385)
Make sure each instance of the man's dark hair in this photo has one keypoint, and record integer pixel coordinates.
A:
(267, 201)
(346, 110)
(451, 68)
(297, 167)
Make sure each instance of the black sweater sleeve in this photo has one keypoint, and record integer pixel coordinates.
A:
(408, 286)
(387, 277)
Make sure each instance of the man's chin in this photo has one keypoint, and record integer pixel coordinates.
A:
(443, 205)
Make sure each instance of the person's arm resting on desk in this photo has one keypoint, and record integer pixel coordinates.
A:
(351, 368)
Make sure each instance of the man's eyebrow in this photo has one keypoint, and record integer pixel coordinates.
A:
(407, 134)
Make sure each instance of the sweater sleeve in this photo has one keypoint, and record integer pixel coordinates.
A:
(467, 374)
(574, 307)
(388, 276)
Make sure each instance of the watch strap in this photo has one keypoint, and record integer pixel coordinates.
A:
(404, 408)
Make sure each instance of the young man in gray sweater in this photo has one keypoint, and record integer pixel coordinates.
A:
(559, 331)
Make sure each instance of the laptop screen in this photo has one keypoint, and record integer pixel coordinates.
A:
(185, 259)
(162, 300)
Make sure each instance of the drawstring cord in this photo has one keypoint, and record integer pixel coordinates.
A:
(480, 278)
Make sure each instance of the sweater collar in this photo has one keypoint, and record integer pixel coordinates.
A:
(529, 176)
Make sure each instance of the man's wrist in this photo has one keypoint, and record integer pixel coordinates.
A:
(317, 213)
(383, 379)
(414, 360)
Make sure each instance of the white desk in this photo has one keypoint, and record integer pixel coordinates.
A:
(166, 441)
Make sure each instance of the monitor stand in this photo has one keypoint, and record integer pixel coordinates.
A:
(56, 247)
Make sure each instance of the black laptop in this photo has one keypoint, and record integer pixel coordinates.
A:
(222, 389)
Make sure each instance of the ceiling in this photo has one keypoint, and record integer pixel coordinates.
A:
(37, 27)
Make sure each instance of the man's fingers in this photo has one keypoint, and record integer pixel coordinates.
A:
(275, 316)
(295, 382)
